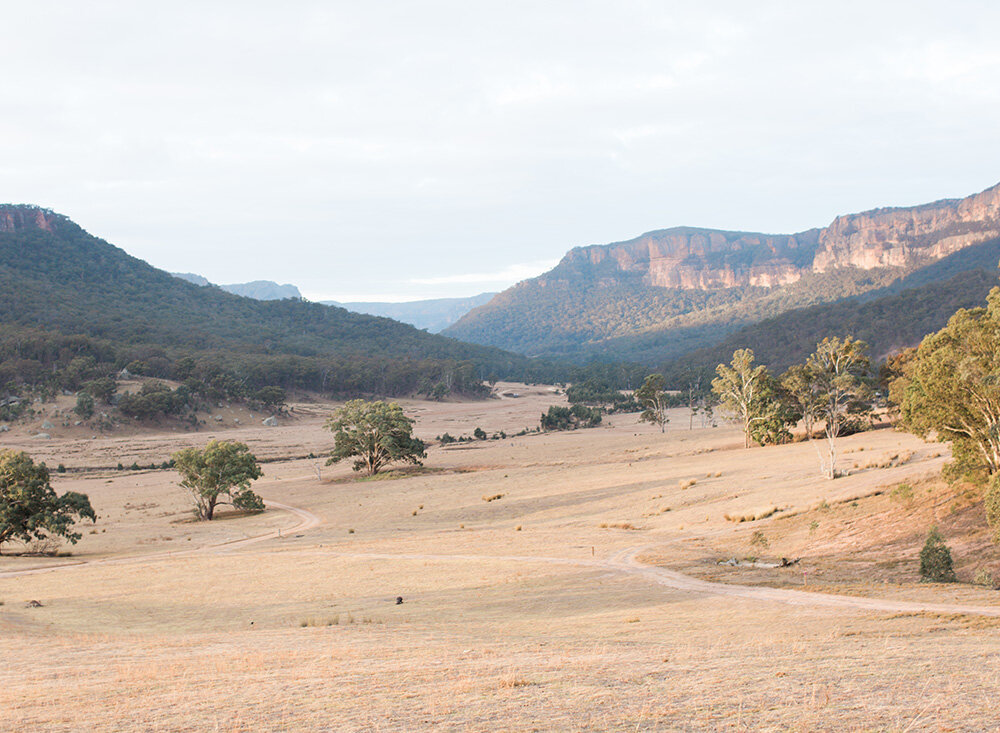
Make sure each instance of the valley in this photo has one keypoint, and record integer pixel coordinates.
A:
(589, 595)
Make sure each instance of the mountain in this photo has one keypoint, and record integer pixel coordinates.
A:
(258, 289)
(430, 315)
(897, 318)
(666, 292)
(65, 293)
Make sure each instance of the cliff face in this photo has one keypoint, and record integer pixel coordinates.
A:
(908, 236)
(16, 217)
(703, 259)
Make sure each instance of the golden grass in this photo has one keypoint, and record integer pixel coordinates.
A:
(259, 638)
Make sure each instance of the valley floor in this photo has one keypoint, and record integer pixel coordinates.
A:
(588, 596)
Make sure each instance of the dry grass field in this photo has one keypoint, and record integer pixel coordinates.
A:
(588, 596)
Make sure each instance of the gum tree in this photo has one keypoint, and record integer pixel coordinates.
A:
(375, 434)
(30, 509)
(219, 473)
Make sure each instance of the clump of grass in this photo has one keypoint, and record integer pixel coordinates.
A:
(350, 531)
(686, 484)
(494, 497)
(757, 539)
(657, 512)
(517, 528)
(902, 493)
(512, 680)
(984, 578)
(617, 525)
(753, 515)
(813, 526)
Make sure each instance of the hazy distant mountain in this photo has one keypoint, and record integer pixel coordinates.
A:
(431, 315)
(656, 297)
(258, 289)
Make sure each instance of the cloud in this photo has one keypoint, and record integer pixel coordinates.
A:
(505, 276)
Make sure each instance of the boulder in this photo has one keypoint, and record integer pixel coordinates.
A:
(4, 428)
(271, 422)
(41, 436)
(47, 425)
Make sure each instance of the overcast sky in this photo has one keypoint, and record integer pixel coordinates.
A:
(402, 150)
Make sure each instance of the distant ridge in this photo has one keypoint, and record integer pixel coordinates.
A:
(258, 289)
(431, 315)
(655, 297)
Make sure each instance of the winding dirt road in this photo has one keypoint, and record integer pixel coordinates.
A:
(625, 562)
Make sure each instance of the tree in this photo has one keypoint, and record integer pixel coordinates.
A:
(220, 469)
(935, 559)
(743, 389)
(839, 370)
(654, 400)
(800, 386)
(84, 405)
(30, 508)
(575, 416)
(951, 388)
(376, 434)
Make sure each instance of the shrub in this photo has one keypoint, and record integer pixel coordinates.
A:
(935, 559)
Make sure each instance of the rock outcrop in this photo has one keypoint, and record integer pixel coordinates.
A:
(703, 259)
(17, 217)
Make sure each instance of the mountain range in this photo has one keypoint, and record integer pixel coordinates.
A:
(65, 293)
(258, 289)
(431, 315)
(666, 293)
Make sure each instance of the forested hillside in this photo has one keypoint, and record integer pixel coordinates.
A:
(65, 293)
(888, 324)
(661, 294)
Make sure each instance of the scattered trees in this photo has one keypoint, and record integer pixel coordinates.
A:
(653, 398)
(376, 434)
(570, 418)
(743, 389)
(838, 373)
(29, 507)
(220, 469)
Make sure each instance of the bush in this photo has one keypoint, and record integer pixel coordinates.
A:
(84, 405)
(935, 559)
(479, 434)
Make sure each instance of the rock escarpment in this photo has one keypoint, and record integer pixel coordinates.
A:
(705, 259)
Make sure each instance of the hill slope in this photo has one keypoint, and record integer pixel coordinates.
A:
(667, 291)
(57, 278)
(889, 320)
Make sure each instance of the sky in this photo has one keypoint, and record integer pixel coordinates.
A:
(407, 150)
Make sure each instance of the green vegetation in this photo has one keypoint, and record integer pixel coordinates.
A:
(747, 390)
(76, 310)
(570, 418)
(220, 469)
(582, 314)
(888, 322)
(598, 392)
(935, 559)
(29, 507)
(839, 370)
(376, 434)
(654, 400)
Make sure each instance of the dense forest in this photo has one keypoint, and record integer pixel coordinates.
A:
(70, 302)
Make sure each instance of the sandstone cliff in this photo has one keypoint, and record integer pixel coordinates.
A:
(703, 259)
(16, 217)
